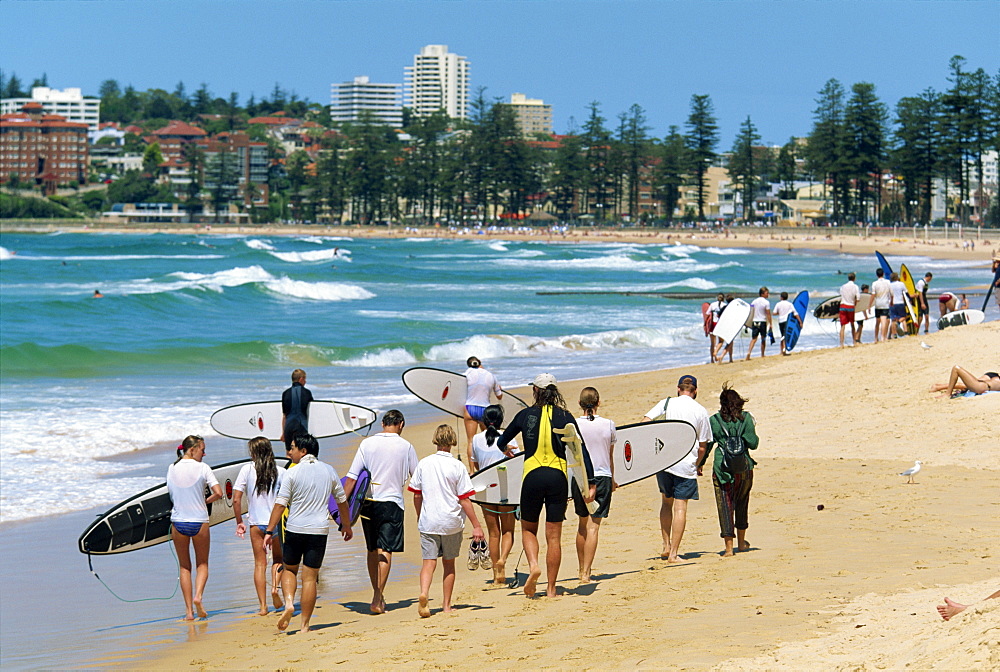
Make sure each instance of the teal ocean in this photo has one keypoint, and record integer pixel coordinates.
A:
(96, 393)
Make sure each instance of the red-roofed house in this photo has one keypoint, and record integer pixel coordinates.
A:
(173, 137)
(42, 149)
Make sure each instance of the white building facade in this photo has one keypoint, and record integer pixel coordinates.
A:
(349, 100)
(68, 103)
(532, 114)
(437, 80)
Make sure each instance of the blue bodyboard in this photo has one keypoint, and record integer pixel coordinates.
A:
(792, 328)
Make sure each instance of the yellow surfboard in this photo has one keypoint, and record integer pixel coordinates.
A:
(912, 303)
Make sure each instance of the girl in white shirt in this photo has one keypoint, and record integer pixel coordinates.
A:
(599, 436)
(186, 482)
(500, 522)
(259, 481)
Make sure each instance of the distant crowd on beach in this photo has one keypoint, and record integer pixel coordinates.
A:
(288, 510)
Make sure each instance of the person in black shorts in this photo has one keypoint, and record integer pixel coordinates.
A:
(295, 408)
(545, 482)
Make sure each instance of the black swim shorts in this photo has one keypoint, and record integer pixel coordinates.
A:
(383, 526)
(544, 486)
(308, 549)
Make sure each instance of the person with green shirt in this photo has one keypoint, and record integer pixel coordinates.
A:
(732, 488)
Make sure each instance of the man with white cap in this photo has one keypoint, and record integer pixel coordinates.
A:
(679, 483)
(545, 482)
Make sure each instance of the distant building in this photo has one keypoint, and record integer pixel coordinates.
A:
(533, 115)
(437, 80)
(173, 137)
(68, 103)
(245, 163)
(42, 149)
(349, 100)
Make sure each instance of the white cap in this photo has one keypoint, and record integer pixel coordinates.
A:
(543, 380)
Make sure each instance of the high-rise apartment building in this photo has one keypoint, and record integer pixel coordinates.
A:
(42, 149)
(437, 80)
(349, 100)
(68, 103)
(533, 115)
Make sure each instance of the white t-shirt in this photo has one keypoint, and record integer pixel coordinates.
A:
(921, 283)
(849, 294)
(480, 383)
(761, 307)
(486, 455)
(599, 436)
(442, 481)
(306, 491)
(716, 309)
(898, 291)
(687, 409)
(186, 483)
(258, 506)
(782, 310)
(391, 460)
(881, 290)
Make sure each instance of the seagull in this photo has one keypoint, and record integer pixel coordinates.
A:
(925, 346)
(912, 471)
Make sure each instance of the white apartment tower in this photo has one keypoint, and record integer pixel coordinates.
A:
(532, 115)
(349, 100)
(437, 80)
(68, 103)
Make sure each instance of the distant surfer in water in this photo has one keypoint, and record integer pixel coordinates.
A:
(477, 398)
(295, 408)
(545, 482)
(187, 479)
(97, 294)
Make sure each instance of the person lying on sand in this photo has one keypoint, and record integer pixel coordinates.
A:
(950, 608)
(988, 382)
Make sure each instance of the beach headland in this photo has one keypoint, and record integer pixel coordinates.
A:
(846, 565)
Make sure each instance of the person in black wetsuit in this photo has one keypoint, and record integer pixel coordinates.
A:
(295, 408)
(545, 482)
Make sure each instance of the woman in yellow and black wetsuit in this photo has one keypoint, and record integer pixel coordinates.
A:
(545, 482)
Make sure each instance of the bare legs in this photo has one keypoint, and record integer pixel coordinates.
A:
(379, 564)
(471, 427)
(586, 545)
(950, 608)
(289, 579)
(500, 530)
(201, 541)
(971, 382)
(447, 584)
(673, 519)
(553, 555)
(260, 569)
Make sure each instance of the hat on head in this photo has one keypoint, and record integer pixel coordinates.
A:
(688, 379)
(543, 380)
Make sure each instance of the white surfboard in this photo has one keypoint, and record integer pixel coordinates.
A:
(447, 391)
(733, 319)
(574, 461)
(641, 450)
(959, 317)
(263, 418)
(143, 520)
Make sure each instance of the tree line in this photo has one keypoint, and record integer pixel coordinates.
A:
(874, 163)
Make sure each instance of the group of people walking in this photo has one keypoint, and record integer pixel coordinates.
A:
(288, 509)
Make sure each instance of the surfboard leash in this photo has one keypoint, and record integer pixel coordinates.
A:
(177, 585)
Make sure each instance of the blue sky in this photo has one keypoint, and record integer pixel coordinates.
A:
(765, 59)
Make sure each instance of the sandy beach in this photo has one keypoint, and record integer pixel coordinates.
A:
(850, 586)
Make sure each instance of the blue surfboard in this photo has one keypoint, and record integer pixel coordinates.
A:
(996, 277)
(792, 328)
(354, 502)
(886, 268)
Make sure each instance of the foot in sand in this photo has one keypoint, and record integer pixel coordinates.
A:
(499, 573)
(378, 606)
(286, 618)
(728, 553)
(532, 582)
(422, 608)
(744, 546)
(276, 599)
(950, 608)
(263, 611)
(674, 559)
(200, 609)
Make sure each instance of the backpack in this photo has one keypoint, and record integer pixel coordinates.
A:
(735, 458)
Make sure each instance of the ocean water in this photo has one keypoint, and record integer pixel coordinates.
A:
(96, 393)
(189, 324)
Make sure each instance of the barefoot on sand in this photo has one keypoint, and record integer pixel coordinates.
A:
(422, 607)
(950, 608)
(532, 582)
(200, 609)
(744, 546)
(286, 618)
(276, 600)
(378, 607)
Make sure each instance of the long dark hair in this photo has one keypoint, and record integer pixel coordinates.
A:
(731, 404)
(549, 396)
(492, 418)
(262, 455)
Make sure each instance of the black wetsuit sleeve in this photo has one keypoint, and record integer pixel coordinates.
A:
(512, 430)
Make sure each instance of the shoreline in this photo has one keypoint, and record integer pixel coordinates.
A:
(815, 238)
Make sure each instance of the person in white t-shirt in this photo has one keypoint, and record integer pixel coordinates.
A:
(599, 436)
(477, 397)
(897, 305)
(390, 459)
(500, 522)
(441, 490)
(679, 483)
(761, 307)
(715, 309)
(923, 285)
(849, 295)
(259, 481)
(882, 293)
(784, 310)
(305, 491)
(187, 479)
